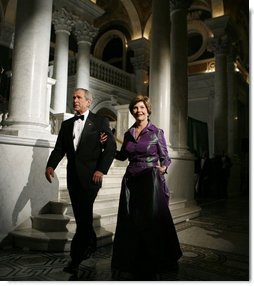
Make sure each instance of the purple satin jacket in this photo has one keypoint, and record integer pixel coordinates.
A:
(147, 151)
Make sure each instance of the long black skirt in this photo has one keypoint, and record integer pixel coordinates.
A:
(145, 237)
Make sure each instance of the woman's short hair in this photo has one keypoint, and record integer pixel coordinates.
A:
(145, 99)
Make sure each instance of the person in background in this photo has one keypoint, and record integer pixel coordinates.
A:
(145, 241)
(204, 180)
(88, 161)
(226, 165)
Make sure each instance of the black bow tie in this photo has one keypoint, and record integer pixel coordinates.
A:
(76, 117)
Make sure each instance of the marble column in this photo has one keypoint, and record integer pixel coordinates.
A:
(179, 76)
(140, 61)
(159, 82)
(166, 100)
(182, 160)
(26, 141)
(220, 45)
(27, 105)
(85, 34)
(63, 23)
(233, 134)
(234, 141)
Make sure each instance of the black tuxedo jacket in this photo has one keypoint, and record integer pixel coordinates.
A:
(90, 154)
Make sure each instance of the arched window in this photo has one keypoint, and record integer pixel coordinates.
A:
(111, 48)
(113, 52)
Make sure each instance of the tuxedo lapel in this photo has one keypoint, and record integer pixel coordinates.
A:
(88, 127)
(70, 133)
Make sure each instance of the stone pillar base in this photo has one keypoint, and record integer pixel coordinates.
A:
(180, 178)
(26, 131)
(24, 188)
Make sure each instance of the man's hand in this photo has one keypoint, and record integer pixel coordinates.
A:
(97, 177)
(49, 173)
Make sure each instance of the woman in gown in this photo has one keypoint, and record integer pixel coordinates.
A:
(145, 239)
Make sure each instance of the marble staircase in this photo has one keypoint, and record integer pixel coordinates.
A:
(53, 228)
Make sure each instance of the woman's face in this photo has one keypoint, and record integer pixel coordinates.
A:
(140, 111)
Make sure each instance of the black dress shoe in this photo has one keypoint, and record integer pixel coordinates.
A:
(71, 268)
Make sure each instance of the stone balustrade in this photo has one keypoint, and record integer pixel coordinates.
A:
(99, 70)
(3, 117)
(107, 73)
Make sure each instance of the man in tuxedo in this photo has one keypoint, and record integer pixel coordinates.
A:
(88, 160)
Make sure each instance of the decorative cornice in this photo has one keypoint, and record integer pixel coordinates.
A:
(84, 9)
(218, 25)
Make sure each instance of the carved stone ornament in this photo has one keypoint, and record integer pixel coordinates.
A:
(62, 20)
(84, 31)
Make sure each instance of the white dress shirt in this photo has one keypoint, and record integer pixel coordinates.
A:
(78, 128)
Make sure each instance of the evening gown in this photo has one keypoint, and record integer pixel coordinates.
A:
(145, 237)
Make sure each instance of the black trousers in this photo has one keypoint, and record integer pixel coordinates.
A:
(82, 204)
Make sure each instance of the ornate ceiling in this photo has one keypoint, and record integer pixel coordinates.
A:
(125, 14)
(133, 17)
(142, 7)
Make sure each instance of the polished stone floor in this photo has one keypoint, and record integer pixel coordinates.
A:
(215, 248)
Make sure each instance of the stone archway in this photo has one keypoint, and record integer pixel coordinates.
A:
(107, 113)
(105, 39)
(134, 19)
(110, 115)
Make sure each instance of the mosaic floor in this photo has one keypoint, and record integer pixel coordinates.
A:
(215, 248)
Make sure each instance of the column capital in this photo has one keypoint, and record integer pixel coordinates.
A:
(141, 48)
(85, 32)
(140, 62)
(139, 45)
(62, 20)
(179, 4)
(219, 45)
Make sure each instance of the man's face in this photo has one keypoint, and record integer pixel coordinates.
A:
(80, 103)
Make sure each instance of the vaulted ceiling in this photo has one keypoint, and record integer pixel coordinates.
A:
(130, 15)
(133, 17)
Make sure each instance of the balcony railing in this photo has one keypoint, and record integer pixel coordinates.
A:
(98, 70)
(107, 73)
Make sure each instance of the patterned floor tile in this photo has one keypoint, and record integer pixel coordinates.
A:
(200, 262)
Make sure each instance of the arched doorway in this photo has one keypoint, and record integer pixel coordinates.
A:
(110, 116)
